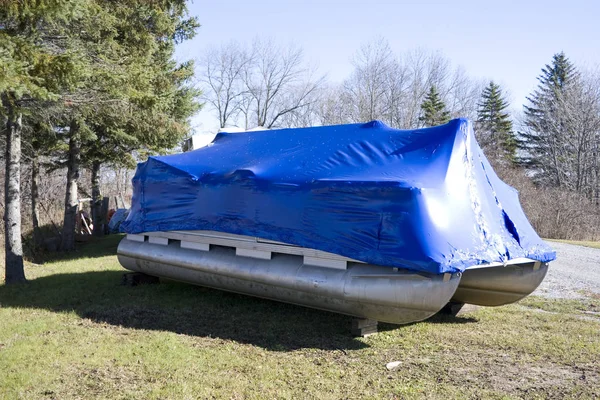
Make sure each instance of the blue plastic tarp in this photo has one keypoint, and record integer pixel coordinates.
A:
(115, 221)
(426, 199)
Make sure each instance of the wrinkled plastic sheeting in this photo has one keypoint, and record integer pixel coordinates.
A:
(427, 199)
(118, 217)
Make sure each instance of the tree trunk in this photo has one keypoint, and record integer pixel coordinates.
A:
(35, 197)
(97, 217)
(71, 200)
(12, 198)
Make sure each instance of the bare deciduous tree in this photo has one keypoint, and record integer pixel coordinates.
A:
(577, 123)
(278, 83)
(222, 74)
(391, 88)
(267, 85)
(368, 89)
(333, 107)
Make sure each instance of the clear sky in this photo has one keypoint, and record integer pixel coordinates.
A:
(508, 41)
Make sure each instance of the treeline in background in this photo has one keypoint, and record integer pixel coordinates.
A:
(550, 151)
(90, 87)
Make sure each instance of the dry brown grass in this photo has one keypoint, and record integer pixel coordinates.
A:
(554, 213)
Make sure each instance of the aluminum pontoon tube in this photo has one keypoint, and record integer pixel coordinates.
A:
(500, 284)
(361, 290)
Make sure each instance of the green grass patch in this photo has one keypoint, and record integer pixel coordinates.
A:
(74, 332)
(586, 243)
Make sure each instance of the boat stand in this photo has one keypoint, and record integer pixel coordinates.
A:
(138, 278)
(363, 327)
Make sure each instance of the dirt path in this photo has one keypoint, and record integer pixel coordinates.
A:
(575, 270)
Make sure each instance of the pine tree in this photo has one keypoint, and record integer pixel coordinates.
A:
(433, 109)
(545, 132)
(135, 97)
(106, 71)
(494, 127)
(35, 67)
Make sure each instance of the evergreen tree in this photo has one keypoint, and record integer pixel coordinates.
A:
(106, 71)
(544, 133)
(433, 109)
(494, 127)
(133, 97)
(35, 67)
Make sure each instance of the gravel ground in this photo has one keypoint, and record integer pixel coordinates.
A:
(575, 270)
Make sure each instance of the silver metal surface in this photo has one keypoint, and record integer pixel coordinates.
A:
(499, 285)
(361, 290)
(317, 279)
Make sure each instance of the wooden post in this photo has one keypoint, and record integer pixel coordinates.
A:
(364, 327)
(138, 278)
(458, 309)
(86, 227)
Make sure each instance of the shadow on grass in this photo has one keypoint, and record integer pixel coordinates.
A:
(95, 247)
(439, 318)
(185, 309)
(447, 319)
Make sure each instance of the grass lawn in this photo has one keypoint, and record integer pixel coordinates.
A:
(595, 245)
(74, 332)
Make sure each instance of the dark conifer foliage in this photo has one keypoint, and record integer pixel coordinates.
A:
(85, 83)
(433, 109)
(540, 140)
(494, 128)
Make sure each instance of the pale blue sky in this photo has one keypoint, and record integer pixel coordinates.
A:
(508, 41)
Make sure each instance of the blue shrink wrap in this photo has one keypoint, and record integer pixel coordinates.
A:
(426, 199)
